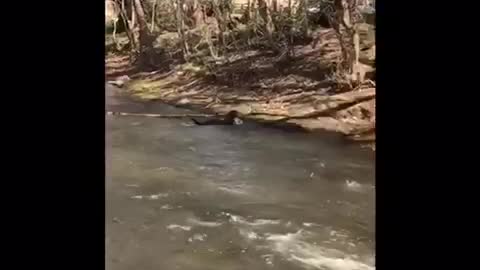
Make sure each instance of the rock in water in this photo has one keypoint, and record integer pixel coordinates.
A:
(231, 118)
(120, 81)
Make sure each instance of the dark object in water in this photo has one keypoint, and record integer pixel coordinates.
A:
(231, 118)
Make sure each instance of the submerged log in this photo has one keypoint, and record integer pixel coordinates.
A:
(154, 115)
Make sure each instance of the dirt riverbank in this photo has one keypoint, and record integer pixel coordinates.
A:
(297, 92)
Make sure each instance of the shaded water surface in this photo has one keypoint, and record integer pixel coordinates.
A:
(241, 197)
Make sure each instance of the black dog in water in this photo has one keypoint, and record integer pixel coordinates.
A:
(231, 118)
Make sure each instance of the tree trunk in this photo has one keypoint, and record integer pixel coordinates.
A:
(306, 30)
(222, 24)
(133, 16)
(250, 20)
(255, 12)
(145, 39)
(198, 15)
(349, 41)
(181, 30)
(211, 47)
(128, 28)
(248, 16)
(141, 15)
(290, 29)
(265, 11)
(154, 7)
(354, 38)
(358, 74)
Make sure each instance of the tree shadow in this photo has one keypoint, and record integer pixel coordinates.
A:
(262, 72)
(120, 64)
(253, 73)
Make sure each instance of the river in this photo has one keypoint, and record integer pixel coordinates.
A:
(233, 197)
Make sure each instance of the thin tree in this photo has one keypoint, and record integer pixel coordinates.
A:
(154, 8)
(181, 28)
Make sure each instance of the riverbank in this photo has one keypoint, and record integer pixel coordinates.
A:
(299, 92)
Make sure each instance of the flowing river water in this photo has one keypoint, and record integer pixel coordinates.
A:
(233, 197)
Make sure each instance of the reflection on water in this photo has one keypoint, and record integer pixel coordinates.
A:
(241, 197)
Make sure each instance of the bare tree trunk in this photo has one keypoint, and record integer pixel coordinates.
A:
(358, 74)
(154, 7)
(181, 30)
(337, 26)
(268, 13)
(353, 65)
(265, 11)
(134, 15)
(290, 29)
(211, 47)
(198, 15)
(141, 19)
(128, 8)
(128, 28)
(145, 39)
(255, 11)
(222, 23)
(306, 30)
(349, 40)
(249, 20)
(248, 16)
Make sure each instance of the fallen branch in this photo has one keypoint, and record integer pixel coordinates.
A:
(355, 96)
(325, 106)
(154, 115)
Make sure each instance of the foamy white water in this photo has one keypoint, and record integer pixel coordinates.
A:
(250, 235)
(293, 248)
(260, 176)
(237, 190)
(178, 227)
(198, 237)
(353, 184)
(256, 222)
(202, 223)
(150, 197)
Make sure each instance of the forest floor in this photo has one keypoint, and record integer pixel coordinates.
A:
(299, 92)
